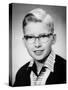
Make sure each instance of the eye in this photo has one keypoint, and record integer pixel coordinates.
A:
(28, 37)
(45, 35)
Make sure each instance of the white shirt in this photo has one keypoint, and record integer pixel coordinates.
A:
(41, 79)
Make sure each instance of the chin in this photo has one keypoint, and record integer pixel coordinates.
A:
(38, 58)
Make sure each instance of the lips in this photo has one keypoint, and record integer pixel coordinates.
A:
(38, 52)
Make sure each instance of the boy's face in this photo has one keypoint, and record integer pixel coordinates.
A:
(38, 47)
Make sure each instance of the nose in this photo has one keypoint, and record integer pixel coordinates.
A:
(37, 43)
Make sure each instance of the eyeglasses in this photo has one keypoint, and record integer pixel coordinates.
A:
(43, 38)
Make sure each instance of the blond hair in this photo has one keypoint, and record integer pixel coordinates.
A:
(39, 15)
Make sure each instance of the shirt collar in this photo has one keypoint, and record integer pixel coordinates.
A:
(49, 63)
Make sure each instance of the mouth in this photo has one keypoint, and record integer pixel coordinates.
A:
(38, 52)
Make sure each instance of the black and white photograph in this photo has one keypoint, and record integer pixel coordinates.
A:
(37, 44)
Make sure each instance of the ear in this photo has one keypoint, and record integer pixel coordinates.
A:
(54, 39)
(23, 40)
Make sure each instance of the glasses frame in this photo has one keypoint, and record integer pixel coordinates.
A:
(27, 37)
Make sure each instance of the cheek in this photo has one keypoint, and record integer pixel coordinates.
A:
(47, 45)
(29, 47)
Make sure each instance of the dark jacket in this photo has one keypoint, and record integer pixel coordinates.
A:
(56, 77)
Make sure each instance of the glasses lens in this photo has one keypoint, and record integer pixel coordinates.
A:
(30, 39)
(45, 38)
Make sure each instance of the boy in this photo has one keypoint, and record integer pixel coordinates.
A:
(46, 67)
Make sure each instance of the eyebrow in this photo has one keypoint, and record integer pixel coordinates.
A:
(41, 35)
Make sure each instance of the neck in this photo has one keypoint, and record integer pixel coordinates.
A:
(39, 66)
(40, 63)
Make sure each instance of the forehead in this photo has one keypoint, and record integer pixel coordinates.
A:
(36, 28)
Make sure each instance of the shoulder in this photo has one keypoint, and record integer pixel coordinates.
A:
(59, 74)
(21, 76)
(60, 60)
(23, 68)
(60, 64)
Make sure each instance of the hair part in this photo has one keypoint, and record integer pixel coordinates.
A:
(29, 18)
